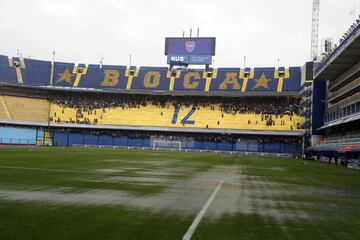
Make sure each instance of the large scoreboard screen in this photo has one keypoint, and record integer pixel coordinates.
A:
(184, 51)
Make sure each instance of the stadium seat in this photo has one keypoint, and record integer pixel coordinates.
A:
(24, 108)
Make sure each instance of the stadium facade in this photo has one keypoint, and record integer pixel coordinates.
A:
(338, 137)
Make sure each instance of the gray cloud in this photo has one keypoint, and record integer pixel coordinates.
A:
(85, 31)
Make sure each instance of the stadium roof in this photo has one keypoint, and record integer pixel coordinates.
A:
(341, 59)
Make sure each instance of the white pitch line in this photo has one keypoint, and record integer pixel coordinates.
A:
(201, 214)
(312, 180)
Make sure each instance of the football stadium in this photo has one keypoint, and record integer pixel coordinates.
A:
(185, 149)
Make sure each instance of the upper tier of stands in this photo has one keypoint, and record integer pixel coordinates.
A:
(346, 40)
(234, 81)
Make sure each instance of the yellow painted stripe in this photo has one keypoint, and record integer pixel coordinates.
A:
(136, 72)
(75, 69)
(280, 84)
(19, 75)
(207, 84)
(77, 80)
(245, 82)
(78, 75)
(241, 74)
(246, 79)
(208, 80)
(281, 79)
(129, 82)
(22, 63)
(172, 79)
(172, 83)
(276, 73)
(252, 73)
(130, 77)
(5, 107)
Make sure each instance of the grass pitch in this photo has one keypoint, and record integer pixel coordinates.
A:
(74, 193)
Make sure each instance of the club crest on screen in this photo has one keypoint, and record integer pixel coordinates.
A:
(190, 45)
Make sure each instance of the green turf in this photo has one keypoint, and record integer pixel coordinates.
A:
(333, 201)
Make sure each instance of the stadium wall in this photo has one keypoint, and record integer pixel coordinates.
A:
(20, 136)
(65, 139)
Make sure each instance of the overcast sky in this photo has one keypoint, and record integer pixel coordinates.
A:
(84, 31)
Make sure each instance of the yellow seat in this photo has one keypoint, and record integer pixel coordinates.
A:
(24, 108)
(202, 117)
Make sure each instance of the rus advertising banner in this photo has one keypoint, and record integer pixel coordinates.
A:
(189, 50)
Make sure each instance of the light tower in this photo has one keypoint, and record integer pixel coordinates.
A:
(315, 29)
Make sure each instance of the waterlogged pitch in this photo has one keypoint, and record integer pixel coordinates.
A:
(73, 193)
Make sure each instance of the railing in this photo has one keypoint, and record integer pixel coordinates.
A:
(18, 141)
(332, 55)
(354, 139)
(336, 113)
(193, 150)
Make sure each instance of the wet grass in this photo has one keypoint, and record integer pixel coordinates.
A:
(329, 194)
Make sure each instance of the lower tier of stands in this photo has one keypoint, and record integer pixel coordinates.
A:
(23, 109)
(239, 114)
(251, 114)
(188, 117)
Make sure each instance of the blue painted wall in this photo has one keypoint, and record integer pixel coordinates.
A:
(318, 104)
(11, 135)
(69, 139)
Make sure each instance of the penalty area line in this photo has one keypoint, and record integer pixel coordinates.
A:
(201, 214)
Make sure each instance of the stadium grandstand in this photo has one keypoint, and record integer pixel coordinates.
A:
(224, 109)
(262, 145)
(338, 75)
(253, 110)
